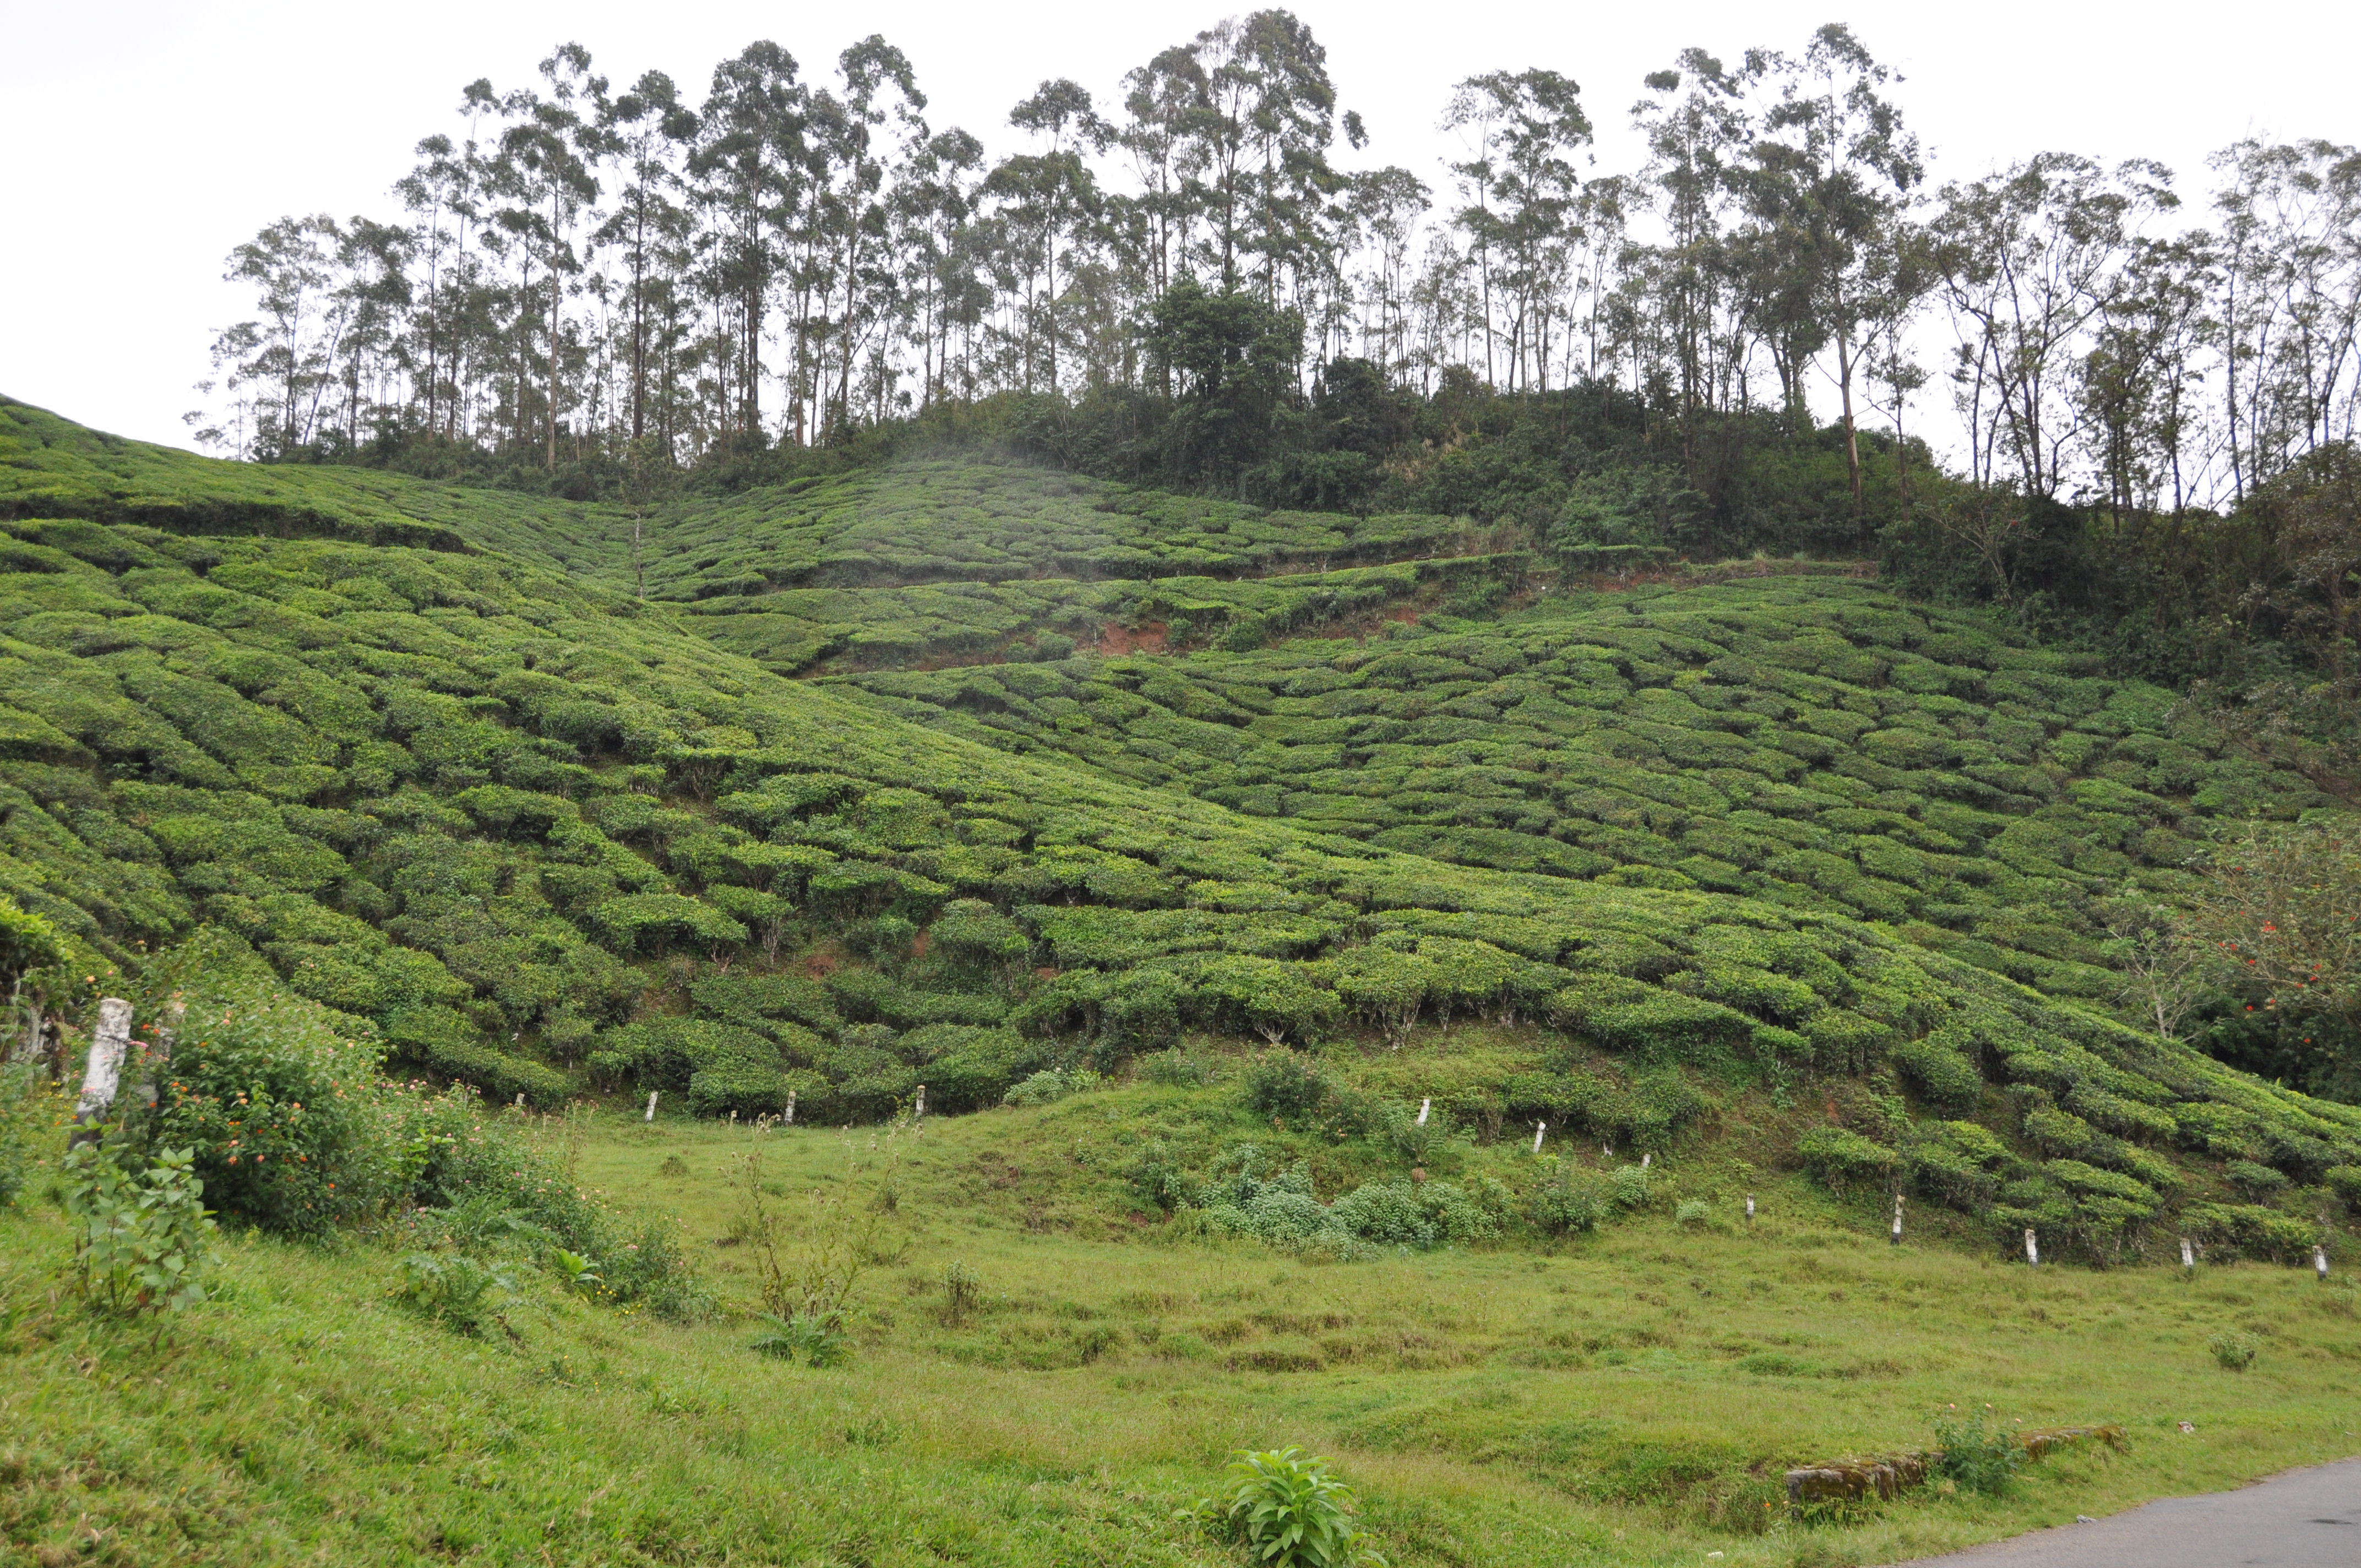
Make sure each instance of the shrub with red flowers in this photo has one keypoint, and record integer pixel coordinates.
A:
(292, 1127)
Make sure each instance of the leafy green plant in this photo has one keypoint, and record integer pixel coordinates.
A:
(1692, 1212)
(1290, 1511)
(1046, 1087)
(1284, 1084)
(453, 1289)
(1573, 1200)
(1976, 1457)
(2234, 1351)
(284, 1113)
(579, 1272)
(962, 1292)
(143, 1239)
(1629, 1186)
(810, 1339)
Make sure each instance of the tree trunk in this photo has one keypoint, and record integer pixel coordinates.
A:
(1852, 437)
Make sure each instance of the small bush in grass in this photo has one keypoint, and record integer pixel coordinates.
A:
(2234, 1351)
(453, 1289)
(1976, 1457)
(807, 1339)
(1693, 1211)
(1049, 1085)
(1577, 1201)
(1291, 1510)
(962, 1292)
(1629, 1186)
(1177, 1069)
(1283, 1084)
(143, 1242)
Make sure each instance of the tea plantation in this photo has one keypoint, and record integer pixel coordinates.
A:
(1808, 742)
(1321, 891)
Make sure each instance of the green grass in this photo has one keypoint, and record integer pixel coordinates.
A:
(1611, 1401)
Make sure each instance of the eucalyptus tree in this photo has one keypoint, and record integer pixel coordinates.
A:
(751, 161)
(1386, 205)
(1836, 167)
(284, 354)
(647, 131)
(861, 285)
(1521, 190)
(1696, 127)
(2290, 306)
(543, 173)
(1260, 143)
(1166, 100)
(2028, 258)
(932, 206)
(1046, 195)
(2140, 384)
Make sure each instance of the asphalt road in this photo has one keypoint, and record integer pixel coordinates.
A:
(2305, 1519)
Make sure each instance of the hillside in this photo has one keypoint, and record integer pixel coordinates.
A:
(543, 836)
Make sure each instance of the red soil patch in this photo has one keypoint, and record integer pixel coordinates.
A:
(1116, 640)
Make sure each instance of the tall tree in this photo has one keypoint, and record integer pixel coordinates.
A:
(1837, 166)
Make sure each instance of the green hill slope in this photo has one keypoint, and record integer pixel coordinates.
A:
(1809, 741)
(544, 836)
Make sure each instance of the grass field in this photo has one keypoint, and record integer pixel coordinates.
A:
(1628, 1398)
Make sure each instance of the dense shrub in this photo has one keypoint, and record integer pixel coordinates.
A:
(290, 1128)
(1844, 1159)
(1285, 1085)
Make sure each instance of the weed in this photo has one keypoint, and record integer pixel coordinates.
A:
(2234, 1351)
(1973, 1456)
(453, 1289)
(963, 1293)
(673, 1166)
(1284, 1084)
(1693, 1211)
(1175, 1068)
(579, 1272)
(143, 1240)
(1290, 1511)
(810, 1339)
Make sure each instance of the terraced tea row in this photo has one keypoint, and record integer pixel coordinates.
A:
(1809, 742)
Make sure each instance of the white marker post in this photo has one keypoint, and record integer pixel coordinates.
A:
(919, 1111)
(2188, 1256)
(1644, 1160)
(109, 1042)
(2319, 1263)
(520, 1099)
(791, 1107)
(1750, 1208)
(1424, 1107)
(2032, 1248)
(1896, 1240)
(652, 1107)
(1539, 1128)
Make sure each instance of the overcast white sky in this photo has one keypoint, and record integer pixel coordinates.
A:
(147, 139)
